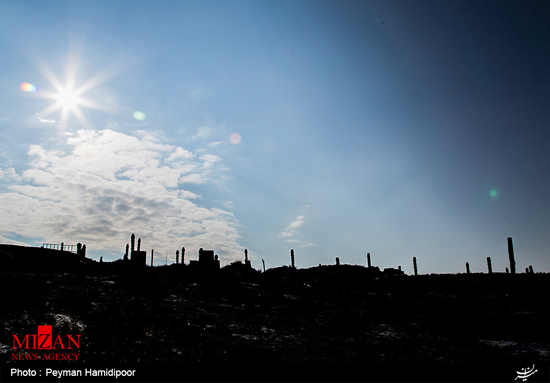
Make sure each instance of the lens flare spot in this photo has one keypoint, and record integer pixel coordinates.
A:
(235, 138)
(139, 115)
(28, 87)
(493, 193)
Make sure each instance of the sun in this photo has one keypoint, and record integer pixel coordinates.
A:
(68, 97)
(68, 101)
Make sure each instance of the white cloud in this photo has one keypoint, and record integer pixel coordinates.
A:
(292, 230)
(209, 160)
(179, 153)
(191, 179)
(111, 185)
(46, 121)
(214, 144)
(301, 243)
(293, 227)
(296, 224)
(9, 175)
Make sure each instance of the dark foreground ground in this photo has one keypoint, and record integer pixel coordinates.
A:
(328, 323)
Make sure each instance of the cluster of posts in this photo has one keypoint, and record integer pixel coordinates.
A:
(80, 248)
(138, 256)
(207, 256)
(511, 270)
(207, 259)
(511, 258)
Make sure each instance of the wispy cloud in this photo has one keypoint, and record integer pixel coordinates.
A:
(198, 93)
(47, 121)
(296, 224)
(292, 230)
(214, 144)
(111, 185)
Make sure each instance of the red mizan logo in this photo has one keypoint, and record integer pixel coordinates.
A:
(45, 341)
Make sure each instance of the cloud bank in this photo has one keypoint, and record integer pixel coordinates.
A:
(111, 185)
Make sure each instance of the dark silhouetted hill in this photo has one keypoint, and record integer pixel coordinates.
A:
(22, 258)
(324, 323)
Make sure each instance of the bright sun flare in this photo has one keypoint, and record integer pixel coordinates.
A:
(67, 99)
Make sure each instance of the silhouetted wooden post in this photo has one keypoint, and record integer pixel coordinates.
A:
(126, 254)
(526, 270)
(511, 255)
(531, 269)
(84, 250)
(177, 257)
(467, 268)
(183, 255)
(263, 262)
(507, 271)
(133, 241)
(246, 260)
(337, 261)
(489, 266)
(292, 258)
(152, 254)
(368, 260)
(79, 249)
(139, 244)
(414, 265)
(62, 246)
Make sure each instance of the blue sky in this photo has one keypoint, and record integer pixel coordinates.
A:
(399, 128)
